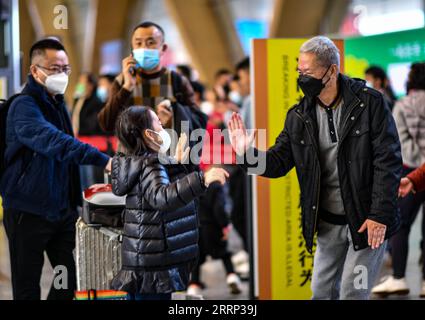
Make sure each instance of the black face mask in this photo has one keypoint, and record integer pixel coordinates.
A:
(311, 86)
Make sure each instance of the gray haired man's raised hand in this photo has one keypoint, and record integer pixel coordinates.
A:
(240, 139)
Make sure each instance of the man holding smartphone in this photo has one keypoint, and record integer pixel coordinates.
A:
(145, 81)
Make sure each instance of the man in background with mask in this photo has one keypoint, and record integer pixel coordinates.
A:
(243, 71)
(145, 81)
(104, 87)
(343, 142)
(40, 186)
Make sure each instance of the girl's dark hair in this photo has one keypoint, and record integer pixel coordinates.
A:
(416, 76)
(130, 128)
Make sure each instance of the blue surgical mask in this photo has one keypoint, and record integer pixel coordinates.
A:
(147, 59)
(102, 94)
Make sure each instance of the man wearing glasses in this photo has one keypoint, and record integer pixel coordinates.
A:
(342, 140)
(145, 81)
(40, 186)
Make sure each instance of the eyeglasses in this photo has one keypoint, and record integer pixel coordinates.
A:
(55, 69)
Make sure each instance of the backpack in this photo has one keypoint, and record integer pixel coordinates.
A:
(4, 109)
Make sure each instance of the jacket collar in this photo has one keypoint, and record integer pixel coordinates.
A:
(349, 89)
(59, 116)
(34, 88)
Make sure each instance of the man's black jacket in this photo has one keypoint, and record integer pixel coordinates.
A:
(369, 160)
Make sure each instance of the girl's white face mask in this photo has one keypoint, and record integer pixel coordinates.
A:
(56, 83)
(166, 141)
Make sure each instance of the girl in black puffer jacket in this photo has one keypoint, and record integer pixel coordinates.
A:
(160, 242)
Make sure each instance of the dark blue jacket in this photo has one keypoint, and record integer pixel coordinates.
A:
(44, 179)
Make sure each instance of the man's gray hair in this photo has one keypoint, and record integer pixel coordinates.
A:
(325, 50)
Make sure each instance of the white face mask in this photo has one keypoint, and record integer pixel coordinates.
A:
(207, 107)
(56, 83)
(166, 141)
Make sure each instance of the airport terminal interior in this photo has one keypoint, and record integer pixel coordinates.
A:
(234, 55)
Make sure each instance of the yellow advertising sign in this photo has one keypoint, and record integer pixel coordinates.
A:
(284, 267)
(287, 245)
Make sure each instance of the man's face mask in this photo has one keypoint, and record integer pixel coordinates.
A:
(56, 83)
(147, 59)
(312, 87)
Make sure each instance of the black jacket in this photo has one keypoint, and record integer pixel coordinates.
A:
(160, 223)
(43, 175)
(214, 216)
(89, 124)
(369, 160)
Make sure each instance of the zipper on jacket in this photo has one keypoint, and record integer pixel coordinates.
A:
(319, 173)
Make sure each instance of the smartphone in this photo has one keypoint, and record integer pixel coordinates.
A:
(132, 70)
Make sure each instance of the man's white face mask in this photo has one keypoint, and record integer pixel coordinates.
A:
(56, 83)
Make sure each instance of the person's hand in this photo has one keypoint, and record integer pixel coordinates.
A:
(406, 186)
(215, 175)
(182, 153)
(108, 167)
(164, 112)
(129, 80)
(239, 137)
(375, 233)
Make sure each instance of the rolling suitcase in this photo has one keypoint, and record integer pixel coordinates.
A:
(97, 255)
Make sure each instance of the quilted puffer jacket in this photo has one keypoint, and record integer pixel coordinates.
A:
(160, 241)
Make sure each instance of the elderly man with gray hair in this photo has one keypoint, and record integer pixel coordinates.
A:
(343, 142)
